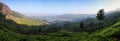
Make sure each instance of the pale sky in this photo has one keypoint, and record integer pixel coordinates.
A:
(59, 7)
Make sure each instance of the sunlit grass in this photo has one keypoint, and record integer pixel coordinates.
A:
(26, 21)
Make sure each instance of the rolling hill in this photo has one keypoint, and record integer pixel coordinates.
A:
(18, 17)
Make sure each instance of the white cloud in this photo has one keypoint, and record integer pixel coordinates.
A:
(112, 5)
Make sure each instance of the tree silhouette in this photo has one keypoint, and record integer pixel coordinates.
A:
(100, 15)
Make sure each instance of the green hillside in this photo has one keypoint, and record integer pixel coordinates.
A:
(106, 34)
(22, 19)
(26, 21)
(109, 33)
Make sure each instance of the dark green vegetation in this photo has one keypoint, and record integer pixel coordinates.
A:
(87, 30)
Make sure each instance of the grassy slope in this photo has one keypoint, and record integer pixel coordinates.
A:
(26, 21)
(111, 30)
(107, 33)
(7, 35)
(100, 35)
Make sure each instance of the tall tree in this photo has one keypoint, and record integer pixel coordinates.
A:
(100, 15)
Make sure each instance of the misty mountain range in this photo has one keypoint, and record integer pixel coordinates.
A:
(66, 17)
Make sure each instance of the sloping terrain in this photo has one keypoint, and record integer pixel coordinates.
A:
(18, 17)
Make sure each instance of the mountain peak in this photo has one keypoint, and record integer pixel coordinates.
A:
(4, 8)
